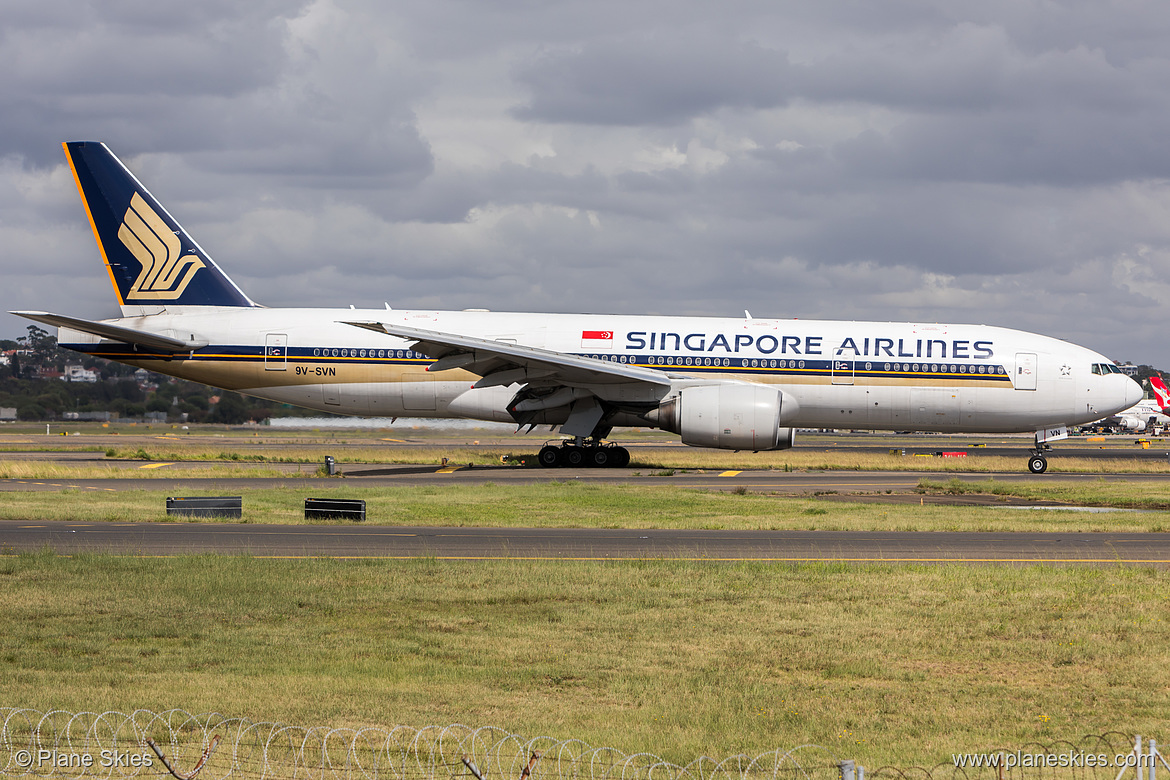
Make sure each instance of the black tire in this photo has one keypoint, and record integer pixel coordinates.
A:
(601, 457)
(1037, 464)
(574, 457)
(620, 458)
(549, 457)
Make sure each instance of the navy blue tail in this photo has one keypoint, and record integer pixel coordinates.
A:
(151, 259)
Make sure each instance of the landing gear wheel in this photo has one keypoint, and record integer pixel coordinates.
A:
(574, 456)
(549, 457)
(1037, 464)
(619, 458)
(601, 457)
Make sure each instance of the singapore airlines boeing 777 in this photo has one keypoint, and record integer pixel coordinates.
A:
(730, 383)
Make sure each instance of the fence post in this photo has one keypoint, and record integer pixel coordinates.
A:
(847, 768)
(1153, 758)
(1137, 751)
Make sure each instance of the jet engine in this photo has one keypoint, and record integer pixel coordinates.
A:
(728, 416)
(1132, 424)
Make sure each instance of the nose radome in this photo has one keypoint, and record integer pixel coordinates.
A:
(1133, 392)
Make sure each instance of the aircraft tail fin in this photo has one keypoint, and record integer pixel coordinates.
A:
(1161, 392)
(152, 261)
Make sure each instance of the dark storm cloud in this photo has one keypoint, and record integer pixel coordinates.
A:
(228, 80)
(141, 72)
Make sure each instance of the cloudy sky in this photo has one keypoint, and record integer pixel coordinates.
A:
(1002, 162)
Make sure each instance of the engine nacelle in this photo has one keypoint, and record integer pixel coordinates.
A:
(729, 417)
(1132, 424)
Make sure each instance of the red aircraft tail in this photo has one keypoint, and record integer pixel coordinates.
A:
(1161, 392)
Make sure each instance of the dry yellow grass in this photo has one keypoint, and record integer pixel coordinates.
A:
(651, 457)
(38, 470)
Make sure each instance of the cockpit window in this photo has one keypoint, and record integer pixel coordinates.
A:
(1106, 368)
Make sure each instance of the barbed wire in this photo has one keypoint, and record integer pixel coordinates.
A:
(175, 742)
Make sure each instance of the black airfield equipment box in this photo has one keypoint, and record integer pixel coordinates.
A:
(329, 508)
(231, 507)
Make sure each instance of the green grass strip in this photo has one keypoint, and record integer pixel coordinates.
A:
(886, 665)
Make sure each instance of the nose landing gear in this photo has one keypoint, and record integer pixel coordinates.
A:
(1037, 463)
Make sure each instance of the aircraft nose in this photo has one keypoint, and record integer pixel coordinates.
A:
(1133, 392)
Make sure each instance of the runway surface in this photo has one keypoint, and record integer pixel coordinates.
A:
(386, 542)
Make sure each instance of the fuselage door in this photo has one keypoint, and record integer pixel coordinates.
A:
(276, 352)
(1025, 377)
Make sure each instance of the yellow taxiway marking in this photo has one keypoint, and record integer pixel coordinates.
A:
(730, 473)
(448, 470)
(400, 441)
(155, 465)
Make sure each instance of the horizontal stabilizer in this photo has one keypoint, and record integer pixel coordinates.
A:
(104, 330)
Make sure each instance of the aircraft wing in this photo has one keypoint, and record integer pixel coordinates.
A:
(501, 363)
(155, 341)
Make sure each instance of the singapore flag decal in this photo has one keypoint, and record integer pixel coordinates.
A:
(597, 339)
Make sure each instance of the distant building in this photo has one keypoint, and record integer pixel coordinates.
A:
(1129, 369)
(7, 414)
(145, 380)
(79, 373)
(90, 416)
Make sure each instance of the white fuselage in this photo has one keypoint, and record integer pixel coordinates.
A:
(862, 375)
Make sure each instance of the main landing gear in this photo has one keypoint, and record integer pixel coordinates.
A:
(583, 452)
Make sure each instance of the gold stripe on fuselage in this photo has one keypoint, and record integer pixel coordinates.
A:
(233, 372)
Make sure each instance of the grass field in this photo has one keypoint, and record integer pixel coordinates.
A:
(572, 504)
(898, 665)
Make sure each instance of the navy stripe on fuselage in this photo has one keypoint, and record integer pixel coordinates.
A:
(834, 368)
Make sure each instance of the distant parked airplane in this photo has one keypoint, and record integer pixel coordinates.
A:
(1161, 393)
(1145, 414)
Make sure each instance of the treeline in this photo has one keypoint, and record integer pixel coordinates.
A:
(117, 389)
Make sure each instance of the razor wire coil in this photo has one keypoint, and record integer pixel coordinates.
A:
(261, 749)
(264, 749)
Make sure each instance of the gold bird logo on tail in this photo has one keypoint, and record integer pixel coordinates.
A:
(166, 272)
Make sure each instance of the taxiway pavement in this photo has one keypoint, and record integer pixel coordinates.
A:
(391, 542)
